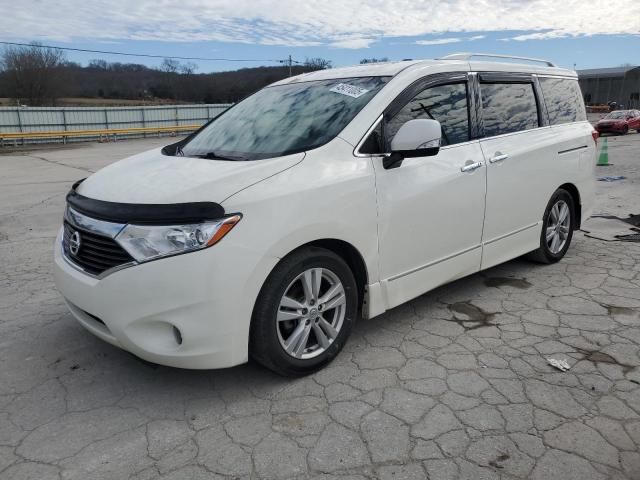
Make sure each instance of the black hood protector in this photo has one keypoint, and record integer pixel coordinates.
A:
(144, 213)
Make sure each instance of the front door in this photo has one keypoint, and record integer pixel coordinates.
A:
(430, 209)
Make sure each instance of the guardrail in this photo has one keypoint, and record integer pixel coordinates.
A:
(101, 134)
(22, 125)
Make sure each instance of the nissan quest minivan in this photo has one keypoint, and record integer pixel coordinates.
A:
(321, 198)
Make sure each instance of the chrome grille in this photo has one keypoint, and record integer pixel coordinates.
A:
(97, 253)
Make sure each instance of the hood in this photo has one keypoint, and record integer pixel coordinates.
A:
(612, 120)
(152, 177)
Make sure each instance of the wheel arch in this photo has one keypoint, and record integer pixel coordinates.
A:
(575, 194)
(350, 254)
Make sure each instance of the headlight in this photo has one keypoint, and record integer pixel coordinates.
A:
(148, 242)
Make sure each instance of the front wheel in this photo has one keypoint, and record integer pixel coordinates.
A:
(558, 224)
(304, 312)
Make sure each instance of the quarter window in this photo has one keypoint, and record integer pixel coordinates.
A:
(445, 103)
(563, 99)
(508, 107)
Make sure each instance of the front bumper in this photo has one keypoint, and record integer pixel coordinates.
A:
(188, 311)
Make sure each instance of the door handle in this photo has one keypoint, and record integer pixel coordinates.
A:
(498, 157)
(470, 167)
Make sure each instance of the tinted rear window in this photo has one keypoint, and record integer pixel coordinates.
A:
(564, 100)
(508, 107)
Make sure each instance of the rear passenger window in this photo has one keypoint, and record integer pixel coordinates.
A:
(563, 99)
(508, 107)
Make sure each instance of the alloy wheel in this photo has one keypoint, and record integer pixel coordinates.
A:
(311, 313)
(558, 226)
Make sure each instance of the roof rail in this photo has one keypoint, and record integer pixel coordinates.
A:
(467, 56)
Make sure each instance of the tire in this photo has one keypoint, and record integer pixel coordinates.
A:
(548, 252)
(625, 131)
(279, 323)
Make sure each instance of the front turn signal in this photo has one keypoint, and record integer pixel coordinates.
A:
(225, 227)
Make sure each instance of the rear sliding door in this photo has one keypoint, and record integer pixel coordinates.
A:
(520, 154)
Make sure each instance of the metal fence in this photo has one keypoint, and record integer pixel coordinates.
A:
(69, 119)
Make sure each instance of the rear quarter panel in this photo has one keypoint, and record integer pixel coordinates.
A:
(576, 135)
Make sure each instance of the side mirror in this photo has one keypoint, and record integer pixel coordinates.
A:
(416, 138)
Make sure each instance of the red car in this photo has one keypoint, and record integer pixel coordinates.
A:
(620, 121)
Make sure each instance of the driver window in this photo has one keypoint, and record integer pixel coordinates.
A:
(444, 103)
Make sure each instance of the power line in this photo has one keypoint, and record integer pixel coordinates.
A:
(106, 52)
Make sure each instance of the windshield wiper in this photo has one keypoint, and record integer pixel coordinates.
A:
(215, 156)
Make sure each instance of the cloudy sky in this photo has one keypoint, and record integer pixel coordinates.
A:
(588, 33)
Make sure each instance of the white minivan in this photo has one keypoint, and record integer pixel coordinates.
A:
(321, 198)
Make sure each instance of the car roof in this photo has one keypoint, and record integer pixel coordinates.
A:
(380, 69)
(391, 69)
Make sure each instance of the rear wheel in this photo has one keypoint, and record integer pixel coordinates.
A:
(304, 313)
(558, 224)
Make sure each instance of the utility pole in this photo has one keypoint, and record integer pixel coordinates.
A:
(288, 61)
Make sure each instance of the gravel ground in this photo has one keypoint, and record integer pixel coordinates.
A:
(454, 384)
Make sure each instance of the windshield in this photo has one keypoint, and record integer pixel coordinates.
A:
(283, 119)
(618, 114)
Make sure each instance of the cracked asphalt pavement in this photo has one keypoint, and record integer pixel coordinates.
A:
(454, 384)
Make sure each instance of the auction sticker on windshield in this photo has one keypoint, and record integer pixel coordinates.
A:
(349, 90)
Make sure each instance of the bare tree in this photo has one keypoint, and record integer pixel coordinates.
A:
(169, 65)
(116, 80)
(317, 63)
(33, 74)
(374, 60)
(98, 64)
(188, 68)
